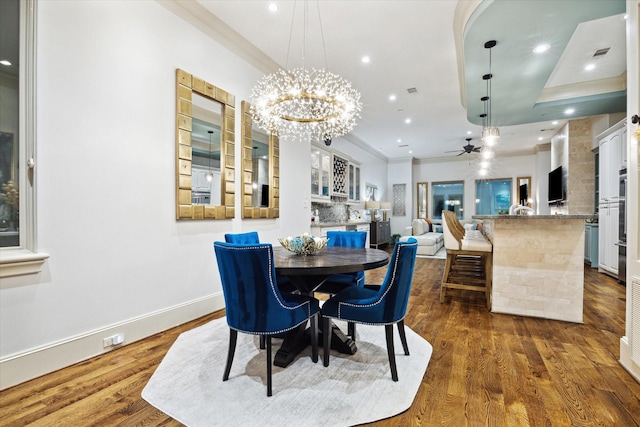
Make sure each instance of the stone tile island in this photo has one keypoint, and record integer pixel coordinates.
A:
(538, 264)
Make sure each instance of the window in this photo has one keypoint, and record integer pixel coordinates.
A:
(449, 196)
(17, 124)
(493, 197)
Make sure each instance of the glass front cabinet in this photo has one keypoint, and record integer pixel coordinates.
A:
(354, 182)
(320, 173)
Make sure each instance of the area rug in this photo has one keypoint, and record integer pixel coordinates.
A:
(188, 386)
(441, 254)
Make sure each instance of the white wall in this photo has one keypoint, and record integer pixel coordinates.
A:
(456, 170)
(119, 260)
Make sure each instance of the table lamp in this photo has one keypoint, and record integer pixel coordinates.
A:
(385, 206)
(373, 206)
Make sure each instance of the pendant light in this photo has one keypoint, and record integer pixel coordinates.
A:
(209, 175)
(490, 134)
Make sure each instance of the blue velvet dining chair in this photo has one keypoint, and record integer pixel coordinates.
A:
(248, 237)
(253, 302)
(338, 282)
(385, 304)
(252, 237)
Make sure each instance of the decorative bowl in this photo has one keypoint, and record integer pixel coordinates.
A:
(305, 244)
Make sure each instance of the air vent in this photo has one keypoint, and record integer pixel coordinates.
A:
(601, 52)
(403, 145)
(412, 90)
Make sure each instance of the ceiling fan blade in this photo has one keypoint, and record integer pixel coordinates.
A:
(461, 153)
(454, 151)
(476, 150)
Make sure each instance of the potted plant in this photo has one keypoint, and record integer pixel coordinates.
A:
(395, 238)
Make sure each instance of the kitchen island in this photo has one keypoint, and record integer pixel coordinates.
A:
(538, 264)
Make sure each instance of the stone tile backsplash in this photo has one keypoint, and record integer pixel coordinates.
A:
(331, 212)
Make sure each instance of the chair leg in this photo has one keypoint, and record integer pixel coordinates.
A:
(268, 365)
(233, 338)
(403, 337)
(314, 337)
(326, 339)
(262, 345)
(388, 330)
(445, 276)
(351, 330)
(488, 271)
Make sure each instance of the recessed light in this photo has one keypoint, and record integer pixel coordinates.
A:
(569, 111)
(407, 121)
(5, 62)
(541, 48)
(555, 122)
(399, 140)
(273, 7)
(392, 97)
(469, 132)
(483, 172)
(540, 138)
(366, 59)
(590, 66)
(410, 151)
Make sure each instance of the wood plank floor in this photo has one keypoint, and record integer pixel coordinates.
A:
(486, 369)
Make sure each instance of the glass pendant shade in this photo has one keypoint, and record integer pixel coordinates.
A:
(490, 136)
(208, 176)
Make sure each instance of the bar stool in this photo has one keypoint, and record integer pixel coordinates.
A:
(469, 259)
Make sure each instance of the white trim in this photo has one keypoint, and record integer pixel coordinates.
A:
(625, 359)
(24, 259)
(18, 262)
(20, 367)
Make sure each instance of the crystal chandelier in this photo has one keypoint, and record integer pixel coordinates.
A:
(305, 104)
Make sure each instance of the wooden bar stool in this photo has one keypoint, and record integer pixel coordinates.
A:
(469, 259)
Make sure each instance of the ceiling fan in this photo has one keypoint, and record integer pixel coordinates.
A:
(467, 149)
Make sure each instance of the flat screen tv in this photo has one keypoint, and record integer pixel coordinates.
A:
(556, 189)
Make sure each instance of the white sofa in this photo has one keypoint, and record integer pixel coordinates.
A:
(429, 242)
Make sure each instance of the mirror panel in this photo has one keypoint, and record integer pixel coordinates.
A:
(523, 190)
(422, 194)
(200, 108)
(260, 170)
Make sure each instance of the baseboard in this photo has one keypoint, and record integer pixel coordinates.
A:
(21, 367)
(625, 359)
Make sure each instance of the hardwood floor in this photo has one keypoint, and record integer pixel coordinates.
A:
(486, 368)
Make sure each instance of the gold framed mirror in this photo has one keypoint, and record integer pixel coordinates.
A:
(260, 170)
(204, 111)
(523, 190)
(422, 195)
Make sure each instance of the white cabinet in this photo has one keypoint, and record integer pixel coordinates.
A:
(320, 173)
(354, 182)
(610, 165)
(364, 227)
(612, 157)
(623, 148)
(608, 237)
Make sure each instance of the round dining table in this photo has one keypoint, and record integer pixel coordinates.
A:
(307, 273)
